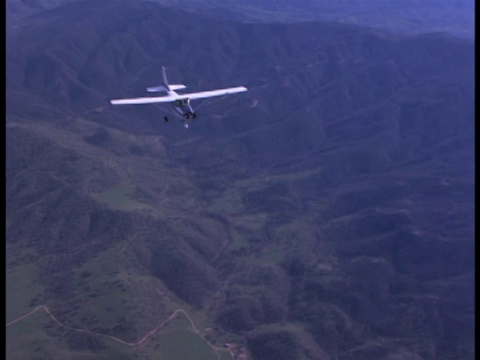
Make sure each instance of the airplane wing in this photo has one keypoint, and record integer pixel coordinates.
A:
(211, 93)
(144, 100)
(171, 98)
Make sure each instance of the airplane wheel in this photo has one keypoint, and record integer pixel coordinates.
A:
(187, 116)
(165, 118)
(194, 115)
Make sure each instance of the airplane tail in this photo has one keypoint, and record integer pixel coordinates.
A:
(165, 86)
(164, 78)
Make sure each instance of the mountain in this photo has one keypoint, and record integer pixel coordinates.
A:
(325, 214)
(404, 17)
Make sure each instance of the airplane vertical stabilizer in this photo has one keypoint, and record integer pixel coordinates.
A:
(164, 77)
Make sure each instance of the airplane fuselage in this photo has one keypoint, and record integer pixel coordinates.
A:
(181, 107)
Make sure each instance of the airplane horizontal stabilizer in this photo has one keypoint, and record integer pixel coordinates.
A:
(162, 88)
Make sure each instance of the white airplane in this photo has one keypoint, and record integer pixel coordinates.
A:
(180, 103)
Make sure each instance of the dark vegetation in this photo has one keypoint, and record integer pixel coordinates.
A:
(327, 213)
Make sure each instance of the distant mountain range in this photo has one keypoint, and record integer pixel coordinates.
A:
(327, 213)
(404, 17)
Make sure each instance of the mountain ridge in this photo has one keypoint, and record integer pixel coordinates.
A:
(406, 17)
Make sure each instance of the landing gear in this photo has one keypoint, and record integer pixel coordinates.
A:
(189, 114)
(165, 118)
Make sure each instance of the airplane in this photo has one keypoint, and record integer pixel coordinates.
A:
(180, 103)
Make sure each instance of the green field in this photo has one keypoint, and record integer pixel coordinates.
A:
(23, 291)
(182, 344)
